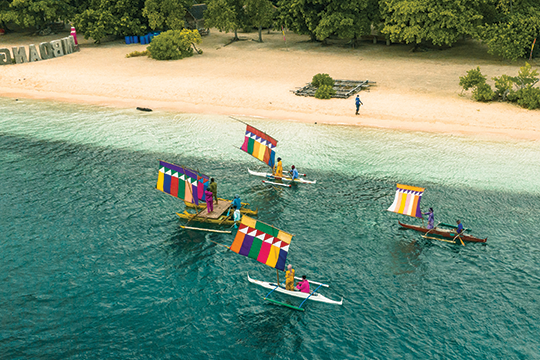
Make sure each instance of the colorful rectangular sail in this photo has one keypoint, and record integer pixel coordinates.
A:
(262, 242)
(260, 145)
(407, 200)
(181, 182)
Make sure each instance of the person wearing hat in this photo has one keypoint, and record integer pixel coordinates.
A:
(431, 218)
(278, 168)
(303, 285)
(293, 172)
(289, 278)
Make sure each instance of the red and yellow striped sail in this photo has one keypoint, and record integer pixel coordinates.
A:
(260, 145)
(181, 182)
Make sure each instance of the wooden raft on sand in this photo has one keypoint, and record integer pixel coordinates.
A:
(344, 88)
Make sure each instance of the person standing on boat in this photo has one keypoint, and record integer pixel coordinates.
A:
(213, 188)
(294, 173)
(289, 278)
(236, 216)
(278, 168)
(303, 285)
(358, 103)
(209, 200)
(236, 202)
(431, 218)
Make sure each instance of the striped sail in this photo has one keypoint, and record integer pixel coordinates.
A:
(181, 182)
(262, 242)
(407, 200)
(260, 145)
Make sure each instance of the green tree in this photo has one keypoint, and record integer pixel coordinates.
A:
(259, 13)
(225, 15)
(321, 19)
(473, 78)
(440, 22)
(109, 17)
(174, 44)
(166, 14)
(514, 29)
(35, 13)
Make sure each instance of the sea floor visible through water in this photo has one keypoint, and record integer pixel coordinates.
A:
(95, 264)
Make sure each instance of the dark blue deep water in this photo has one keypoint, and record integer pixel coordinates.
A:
(94, 263)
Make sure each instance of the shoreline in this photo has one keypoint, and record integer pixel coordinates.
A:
(413, 91)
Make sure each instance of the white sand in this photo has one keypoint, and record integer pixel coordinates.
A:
(414, 91)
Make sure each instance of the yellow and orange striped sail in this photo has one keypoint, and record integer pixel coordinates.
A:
(407, 200)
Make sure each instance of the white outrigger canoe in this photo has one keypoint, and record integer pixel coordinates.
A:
(284, 178)
(311, 296)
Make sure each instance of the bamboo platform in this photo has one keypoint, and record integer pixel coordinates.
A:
(219, 209)
(344, 88)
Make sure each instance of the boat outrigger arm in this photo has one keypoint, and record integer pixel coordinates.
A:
(314, 295)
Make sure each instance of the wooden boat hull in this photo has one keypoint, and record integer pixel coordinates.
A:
(222, 220)
(285, 178)
(243, 209)
(315, 297)
(448, 234)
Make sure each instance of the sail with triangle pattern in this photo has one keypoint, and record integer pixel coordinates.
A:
(181, 182)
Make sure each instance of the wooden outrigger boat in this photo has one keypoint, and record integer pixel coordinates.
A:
(445, 233)
(407, 202)
(284, 178)
(190, 185)
(243, 210)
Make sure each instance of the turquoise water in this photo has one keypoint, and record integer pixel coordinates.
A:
(94, 264)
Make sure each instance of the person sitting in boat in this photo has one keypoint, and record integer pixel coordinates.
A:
(293, 172)
(213, 188)
(289, 278)
(278, 168)
(303, 285)
(431, 219)
(236, 202)
(209, 201)
(459, 227)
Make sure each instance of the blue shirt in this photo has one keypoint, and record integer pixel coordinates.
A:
(236, 202)
(294, 174)
(460, 228)
(358, 101)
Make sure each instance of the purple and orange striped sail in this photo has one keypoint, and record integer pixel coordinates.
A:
(262, 242)
(260, 145)
(407, 200)
(181, 182)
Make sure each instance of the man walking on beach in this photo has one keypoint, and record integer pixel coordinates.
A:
(358, 103)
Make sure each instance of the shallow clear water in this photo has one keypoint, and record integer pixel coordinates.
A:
(94, 264)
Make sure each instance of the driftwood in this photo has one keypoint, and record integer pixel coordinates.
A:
(343, 88)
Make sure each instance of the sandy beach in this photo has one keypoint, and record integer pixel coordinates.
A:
(415, 91)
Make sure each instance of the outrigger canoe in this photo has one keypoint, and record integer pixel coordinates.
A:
(445, 233)
(243, 209)
(284, 178)
(314, 296)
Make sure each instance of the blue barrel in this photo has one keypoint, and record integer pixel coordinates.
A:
(128, 39)
(143, 40)
(135, 39)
